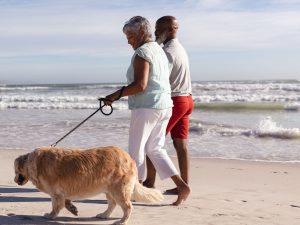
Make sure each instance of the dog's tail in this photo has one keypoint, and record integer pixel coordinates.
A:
(144, 194)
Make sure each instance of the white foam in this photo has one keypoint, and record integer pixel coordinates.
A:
(233, 91)
(292, 106)
(266, 128)
(269, 128)
(218, 129)
(253, 97)
(58, 105)
(285, 92)
(246, 86)
(22, 88)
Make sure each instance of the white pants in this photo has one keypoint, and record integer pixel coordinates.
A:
(147, 136)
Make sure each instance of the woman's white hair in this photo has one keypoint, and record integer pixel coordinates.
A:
(137, 24)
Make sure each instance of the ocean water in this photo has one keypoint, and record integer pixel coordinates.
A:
(248, 120)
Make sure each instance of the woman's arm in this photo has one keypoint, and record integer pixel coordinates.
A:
(141, 75)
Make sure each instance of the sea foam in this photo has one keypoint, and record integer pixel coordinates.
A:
(269, 128)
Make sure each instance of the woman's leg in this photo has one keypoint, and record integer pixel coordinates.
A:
(160, 158)
(154, 146)
(182, 188)
(142, 123)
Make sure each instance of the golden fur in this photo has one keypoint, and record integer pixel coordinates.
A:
(68, 174)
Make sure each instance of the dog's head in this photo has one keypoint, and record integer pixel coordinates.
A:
(21, 170)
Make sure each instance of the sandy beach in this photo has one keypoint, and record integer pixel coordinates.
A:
(227, 192)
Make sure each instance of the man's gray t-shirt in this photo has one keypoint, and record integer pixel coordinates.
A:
(180, 78)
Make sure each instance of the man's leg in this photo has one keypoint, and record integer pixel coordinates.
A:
(151, 174)
(183, 158)
(179, 135)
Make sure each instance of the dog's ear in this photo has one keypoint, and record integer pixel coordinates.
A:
(21, 160)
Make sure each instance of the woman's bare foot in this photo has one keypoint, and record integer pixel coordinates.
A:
(183, 193)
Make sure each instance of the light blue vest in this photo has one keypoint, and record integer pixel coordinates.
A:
(157, 95)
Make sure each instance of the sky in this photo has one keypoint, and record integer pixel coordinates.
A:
(81, 41)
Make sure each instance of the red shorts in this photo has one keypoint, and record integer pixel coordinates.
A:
(179, 121)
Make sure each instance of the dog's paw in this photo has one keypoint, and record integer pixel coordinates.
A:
(49, 216)
(102, 215)
(73, 209)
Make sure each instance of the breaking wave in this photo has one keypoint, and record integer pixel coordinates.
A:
(266, 128)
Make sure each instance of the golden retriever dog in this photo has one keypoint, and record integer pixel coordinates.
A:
(73, 174)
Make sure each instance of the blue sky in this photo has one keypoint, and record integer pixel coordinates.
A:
(74, 41)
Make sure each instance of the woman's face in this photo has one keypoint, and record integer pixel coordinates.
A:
(133, 40)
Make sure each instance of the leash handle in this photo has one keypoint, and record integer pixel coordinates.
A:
(101, 100)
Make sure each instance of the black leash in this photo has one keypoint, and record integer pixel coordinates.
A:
(101, 102)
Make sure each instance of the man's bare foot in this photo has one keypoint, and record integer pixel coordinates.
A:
(183, 193)
(148, 184)
(173, 191)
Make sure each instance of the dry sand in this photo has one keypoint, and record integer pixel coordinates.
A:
(224, 192)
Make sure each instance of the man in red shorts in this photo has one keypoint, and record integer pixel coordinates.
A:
(180, 80)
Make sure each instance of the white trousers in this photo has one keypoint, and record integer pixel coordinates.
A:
(147, 136)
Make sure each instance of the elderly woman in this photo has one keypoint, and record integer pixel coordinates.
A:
(150, 103)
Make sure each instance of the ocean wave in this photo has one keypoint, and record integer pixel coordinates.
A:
(59, 87)
(227, 106)
(23, 88)
(266, 128)
(99, 86)
(46, 99)
(240, 86)
(240, 98)
(112, 85)
(59, 105)
(269, 128)
(292, 106)
(83, 102)
(234, 86)
(230, 95)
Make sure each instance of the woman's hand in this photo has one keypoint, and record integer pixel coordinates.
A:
(109, 99)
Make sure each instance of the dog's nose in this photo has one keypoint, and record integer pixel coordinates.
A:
(19, 179)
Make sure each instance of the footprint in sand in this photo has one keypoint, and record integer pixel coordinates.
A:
(279, 172)
(219, 214)
(234, 168)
